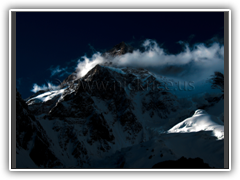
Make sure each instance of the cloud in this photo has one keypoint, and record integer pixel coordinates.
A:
(49, 86)
(154, 56)
(196, 62)
(87, 64)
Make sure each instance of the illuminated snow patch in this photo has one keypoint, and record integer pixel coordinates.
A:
(200, 121)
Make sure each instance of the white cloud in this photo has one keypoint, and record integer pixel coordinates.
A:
(37, 88)
(49, 86)
(198, 61)
(155, 56)
(195, 63)
(87, 64)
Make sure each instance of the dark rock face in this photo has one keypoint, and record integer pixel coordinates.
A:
(80, 104)
(162, 104)
(38, 108)
(99, 129)
(24, 120)
(42, 155)
(119, 49)
(183, 163)
(32, 137)
(70, 78)
(70, 145)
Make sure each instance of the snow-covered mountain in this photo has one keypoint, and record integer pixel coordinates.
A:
(115, 117)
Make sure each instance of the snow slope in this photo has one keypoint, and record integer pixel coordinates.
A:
(44, 97)
(200, 121)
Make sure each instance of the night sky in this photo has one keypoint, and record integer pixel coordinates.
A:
(49, 39)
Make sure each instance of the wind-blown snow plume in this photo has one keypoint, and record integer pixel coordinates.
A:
(87, 64)
(199, 61)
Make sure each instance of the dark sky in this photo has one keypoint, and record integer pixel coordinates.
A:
(50, 39)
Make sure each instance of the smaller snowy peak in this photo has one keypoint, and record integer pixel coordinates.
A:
(46, 96)
(200, 121)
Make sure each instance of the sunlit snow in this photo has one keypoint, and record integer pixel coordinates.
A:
(45, 96)
(200, 121)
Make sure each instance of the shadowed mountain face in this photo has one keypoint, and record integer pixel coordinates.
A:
(109, 118)
(196, 163)
(34, 147)
(70, 78)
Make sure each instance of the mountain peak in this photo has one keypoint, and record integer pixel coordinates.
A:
(121, 45)
(119, 49)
